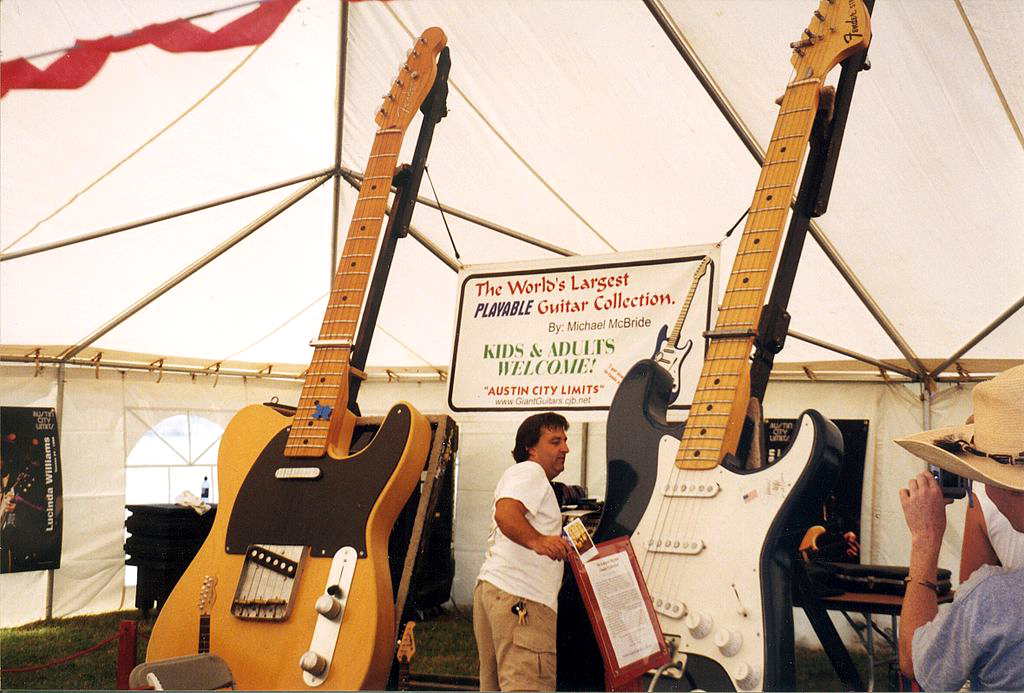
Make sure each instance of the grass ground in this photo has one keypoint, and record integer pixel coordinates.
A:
(444, 645)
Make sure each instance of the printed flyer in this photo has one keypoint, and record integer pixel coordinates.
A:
(562, 333)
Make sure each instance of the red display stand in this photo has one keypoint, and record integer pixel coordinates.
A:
(619, 675)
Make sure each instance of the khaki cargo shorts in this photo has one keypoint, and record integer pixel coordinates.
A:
(514, 656)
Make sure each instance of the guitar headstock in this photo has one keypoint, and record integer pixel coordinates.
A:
(407, 645)
(207, 595)
(838, 29)
(414, 80)
(702, 268)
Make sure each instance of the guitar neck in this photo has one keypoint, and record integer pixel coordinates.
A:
(677, 329)
(723, 390)
(326, 381)
(204, 633)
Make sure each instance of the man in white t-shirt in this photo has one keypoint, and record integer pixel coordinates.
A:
(516, 593)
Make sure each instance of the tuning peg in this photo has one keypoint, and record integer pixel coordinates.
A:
(820, 17)
(866, 65)
(399, 82)
(415, 75)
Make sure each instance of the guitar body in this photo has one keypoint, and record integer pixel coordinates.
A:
(717, 564)
(354, 501)
(671, 359)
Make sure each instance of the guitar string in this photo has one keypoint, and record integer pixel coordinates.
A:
(759, 216)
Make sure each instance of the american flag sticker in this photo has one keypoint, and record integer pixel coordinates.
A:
(750, 495)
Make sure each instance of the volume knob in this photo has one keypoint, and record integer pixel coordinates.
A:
(699, 624)
(728, 641)
(313, 663)
(327, 606)
(746, 676)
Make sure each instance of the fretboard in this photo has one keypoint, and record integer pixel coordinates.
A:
(326, 378)
(204, 633)
(720, 403)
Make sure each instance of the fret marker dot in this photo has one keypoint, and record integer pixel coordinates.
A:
(362, 228)
(783, 149)
(323, 379)
(746, 279)
(769, 197)
(756, 241)
(696, 453)
(306, 441)
(344, 298)
(709, 407)
(717, 380)
(703, 431)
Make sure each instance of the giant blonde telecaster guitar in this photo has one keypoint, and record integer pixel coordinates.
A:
(299, 544)
(714, 537)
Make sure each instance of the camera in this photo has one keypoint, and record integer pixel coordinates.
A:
(953, 486)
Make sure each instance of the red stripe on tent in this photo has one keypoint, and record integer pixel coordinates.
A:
(80, 64)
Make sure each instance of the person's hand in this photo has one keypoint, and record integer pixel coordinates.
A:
(554, 547)
(852, 545)
(924, 509)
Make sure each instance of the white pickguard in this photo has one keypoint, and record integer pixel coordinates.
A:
(712, 525)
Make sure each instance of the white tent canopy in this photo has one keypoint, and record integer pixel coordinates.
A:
(575, 123)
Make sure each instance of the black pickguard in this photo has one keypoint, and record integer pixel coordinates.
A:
(636, 425)
(327, 513)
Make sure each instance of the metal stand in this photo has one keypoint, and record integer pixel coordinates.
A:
(407, 184)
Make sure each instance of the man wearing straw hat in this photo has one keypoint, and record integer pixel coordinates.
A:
(980, 636)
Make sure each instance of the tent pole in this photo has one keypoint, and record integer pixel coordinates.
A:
(354, 179)
(339, 131)
(675, 35)
(703, 75)
(854, 355)
(862, 293)
(980, 336)
(161, 217)
(60, 426)
(434, 250)
(194, 267)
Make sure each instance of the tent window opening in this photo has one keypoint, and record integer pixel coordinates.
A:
(177, 454)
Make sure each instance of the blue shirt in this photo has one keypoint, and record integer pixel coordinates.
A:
(980, 636)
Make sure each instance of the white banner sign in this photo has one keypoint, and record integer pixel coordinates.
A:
(562, 333)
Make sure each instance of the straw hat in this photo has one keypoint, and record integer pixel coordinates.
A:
(989, 450)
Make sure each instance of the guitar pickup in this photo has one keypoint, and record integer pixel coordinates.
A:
(673, 608)
(693, 490)
(686, 546)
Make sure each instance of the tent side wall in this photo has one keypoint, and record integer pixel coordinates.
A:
(99, 429)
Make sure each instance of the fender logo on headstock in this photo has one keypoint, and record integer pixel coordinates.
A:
(854, 23)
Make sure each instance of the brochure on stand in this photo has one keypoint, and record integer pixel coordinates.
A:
(620, 611)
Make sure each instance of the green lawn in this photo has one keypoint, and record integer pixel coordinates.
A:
(444, 646)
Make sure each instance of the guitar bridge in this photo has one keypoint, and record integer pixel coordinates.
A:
(267, 582)
(678, 545)
(684, 490)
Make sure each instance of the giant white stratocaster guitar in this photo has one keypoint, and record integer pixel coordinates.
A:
(300, 540)
(713, 537)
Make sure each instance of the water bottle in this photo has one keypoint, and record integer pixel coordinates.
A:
(204, 490)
